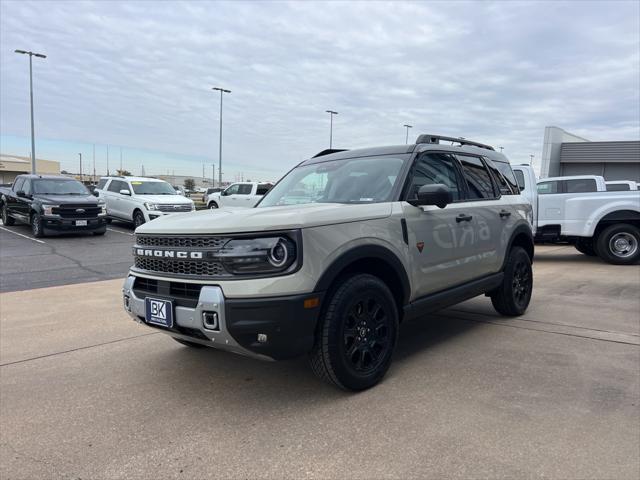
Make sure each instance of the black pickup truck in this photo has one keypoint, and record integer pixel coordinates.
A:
(52, 204)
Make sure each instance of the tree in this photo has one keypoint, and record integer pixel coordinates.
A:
(189, 184)
(123, 173)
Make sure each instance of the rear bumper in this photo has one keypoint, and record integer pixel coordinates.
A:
(55, 223)
(274, 328)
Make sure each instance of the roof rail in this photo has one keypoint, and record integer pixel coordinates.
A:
(427, 138)
(329, 151)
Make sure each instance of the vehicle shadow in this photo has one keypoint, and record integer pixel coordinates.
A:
(270, 385)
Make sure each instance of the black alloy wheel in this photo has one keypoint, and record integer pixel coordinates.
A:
(6, 219)
(357, 333)
(36, 225)
(513, 296)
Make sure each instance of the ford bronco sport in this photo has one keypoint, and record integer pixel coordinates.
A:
(341, 251)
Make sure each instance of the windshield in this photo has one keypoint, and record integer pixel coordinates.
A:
(152, 188)
(355, 180)
(59, 187)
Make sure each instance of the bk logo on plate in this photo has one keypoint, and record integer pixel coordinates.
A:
(159, 312)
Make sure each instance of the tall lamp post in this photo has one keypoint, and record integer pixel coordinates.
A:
(406, 140)
(80, 155)
(331, 114)
(531, 156)
(221, 90)
(33, 141)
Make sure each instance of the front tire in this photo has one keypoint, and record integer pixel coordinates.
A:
(138, 218)
(100, 232)
(213, 205)
(586, 246)
(619, 244)
(6, 219)
(36, 225)
(357, 334)
(513, 296)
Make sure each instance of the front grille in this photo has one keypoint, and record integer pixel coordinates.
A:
(174, 208)
(181, 241)
(180, 267)
(70, 211)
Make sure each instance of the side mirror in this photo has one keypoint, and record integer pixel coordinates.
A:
(95, 193)
(437, 194)
(125, 192)
(224, 193)
(20, 193)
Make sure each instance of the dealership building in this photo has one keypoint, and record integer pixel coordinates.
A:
(564, 153)
(11, 166)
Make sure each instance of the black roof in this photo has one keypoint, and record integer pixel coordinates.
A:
(361, 152)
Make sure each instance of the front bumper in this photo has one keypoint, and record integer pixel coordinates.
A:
(272, 328)
(153, 214)
(61, 224)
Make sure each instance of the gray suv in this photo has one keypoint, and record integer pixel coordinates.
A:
(338, 254)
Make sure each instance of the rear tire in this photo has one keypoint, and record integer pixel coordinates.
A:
(619, 244)
(6, 219)
(586, 246)
(357, 334)
(138, 218)
(513, 296)
(188, 344)
(36, 225)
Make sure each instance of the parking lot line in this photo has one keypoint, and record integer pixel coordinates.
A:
(21, 235)
(120, 231)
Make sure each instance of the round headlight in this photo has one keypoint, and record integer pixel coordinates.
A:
(278, 254)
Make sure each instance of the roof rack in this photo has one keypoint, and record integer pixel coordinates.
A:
(427, 138)
(329, 151)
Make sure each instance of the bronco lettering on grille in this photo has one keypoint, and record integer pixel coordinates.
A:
(144, 252)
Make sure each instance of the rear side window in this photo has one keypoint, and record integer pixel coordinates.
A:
(245, 189)
(547, 188)
(17, 186)
(479, 183)
(101, 183)
(581, 185)
(618, 187)
(508, 176)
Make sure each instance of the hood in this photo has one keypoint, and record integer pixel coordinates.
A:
(222, 221)
(67, 199)
(165, 199)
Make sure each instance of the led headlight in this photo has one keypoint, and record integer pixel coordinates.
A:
(150, 206)
(103, 207)
(258, 255)
(48, 209)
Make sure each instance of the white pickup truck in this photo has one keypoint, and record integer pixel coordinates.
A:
(580, 210)
(238, 195)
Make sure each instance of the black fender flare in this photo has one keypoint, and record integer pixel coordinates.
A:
(362, 252)
(523, 228)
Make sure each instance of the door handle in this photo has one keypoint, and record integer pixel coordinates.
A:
(504, 214)
(463, 218)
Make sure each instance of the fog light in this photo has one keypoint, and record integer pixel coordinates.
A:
(127, 304)
(210, 321)
(262, 337)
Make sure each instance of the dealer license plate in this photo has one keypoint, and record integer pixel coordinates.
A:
(159, 312)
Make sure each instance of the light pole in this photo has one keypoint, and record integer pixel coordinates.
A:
(406, 140)
(331, 114)
(531, 156)
(80, 166)
(221, 90)
(33, 141)
(501, 148)
(94, 163)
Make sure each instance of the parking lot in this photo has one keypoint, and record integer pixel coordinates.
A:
(29, 262)
(87, 393)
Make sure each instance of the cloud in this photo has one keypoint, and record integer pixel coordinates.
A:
(139, 74)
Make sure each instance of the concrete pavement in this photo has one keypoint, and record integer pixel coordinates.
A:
(87, 393)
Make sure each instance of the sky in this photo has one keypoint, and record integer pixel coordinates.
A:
(138, 76)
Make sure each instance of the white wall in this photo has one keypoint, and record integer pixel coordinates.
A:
(554, 137)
